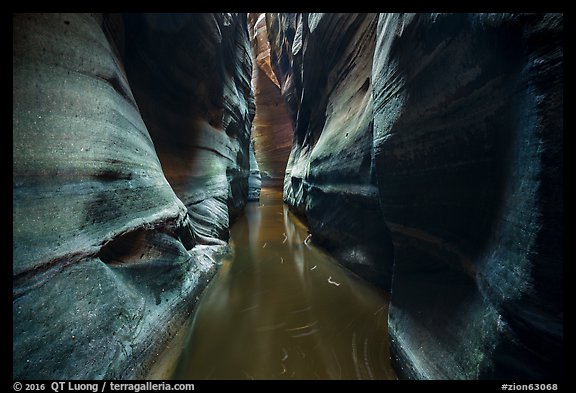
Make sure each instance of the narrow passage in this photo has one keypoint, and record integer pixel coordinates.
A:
(281, 308)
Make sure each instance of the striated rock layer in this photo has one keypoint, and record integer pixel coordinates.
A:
(254, 180)
(457, 159)
(107, 260)
(324, 63)
(272, 129)
(190, 74)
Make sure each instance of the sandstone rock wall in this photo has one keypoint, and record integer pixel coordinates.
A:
(107, 259)
(272, 129)
(254, 180)
(190, 74)
(324, 62)
(443, 135)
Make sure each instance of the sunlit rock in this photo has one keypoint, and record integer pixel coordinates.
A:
(272, 129)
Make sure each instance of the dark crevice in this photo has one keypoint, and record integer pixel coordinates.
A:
(127, 248)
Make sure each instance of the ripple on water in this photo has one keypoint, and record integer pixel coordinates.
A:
(284, 309)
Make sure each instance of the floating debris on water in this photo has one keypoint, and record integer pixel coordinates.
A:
(333, 282)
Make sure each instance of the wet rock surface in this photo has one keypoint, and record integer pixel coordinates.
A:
(441, 135)
(111, 247)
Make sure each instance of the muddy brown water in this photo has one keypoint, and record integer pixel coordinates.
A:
(281, 308)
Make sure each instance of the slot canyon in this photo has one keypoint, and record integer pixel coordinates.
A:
(288, 196)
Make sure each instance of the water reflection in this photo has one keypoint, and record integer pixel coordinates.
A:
(283, 309)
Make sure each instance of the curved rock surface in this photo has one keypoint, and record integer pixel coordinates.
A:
(272, 129)
(442, 134)
(190, 76)
(324, 62)
(426, 155)
(107, 260)
(254, 180)
(469, 165)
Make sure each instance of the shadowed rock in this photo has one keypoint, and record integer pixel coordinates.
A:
(324, 62)
(442, 134)
(254, 180)
(426, 156)
(468, 147)
(107, 263)
(190, 74)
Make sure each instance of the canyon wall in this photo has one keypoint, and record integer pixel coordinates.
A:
(324, 63)
(272, 128)
(254, 180)
(427, 156)
(121, 201)
(190, 74)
